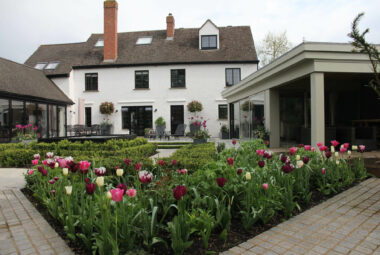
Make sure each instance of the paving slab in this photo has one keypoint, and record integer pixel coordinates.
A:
(348, 223)
(12, 178)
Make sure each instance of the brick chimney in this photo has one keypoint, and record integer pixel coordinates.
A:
(110, 30)
(169, 27)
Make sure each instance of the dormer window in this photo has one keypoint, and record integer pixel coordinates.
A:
(209, 36)
(144, 40)
(52, 65)
(209, 42)
(99, 43)
(40, 65)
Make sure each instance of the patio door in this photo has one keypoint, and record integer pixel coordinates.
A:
(136, 119)
(176, 117)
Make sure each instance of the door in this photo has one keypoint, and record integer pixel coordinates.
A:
(136, 119)
(176, 117)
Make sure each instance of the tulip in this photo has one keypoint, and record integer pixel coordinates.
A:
(100, 181)
(221, 181)
(234, 142)
(337, 162)
(313, 149)
(119, 172)
(49, 154)
(36, 156)
(161, 163)
(62, 162)
(35, 162)
(56, 165)
(284, 158)
(323, 148)
(122, 186)
(90, 188)
(332, 149)
(293, 150)
(343, 149)
(307, 147)
(261, 163)
(69, 190)
(56, 178)
(44, 172)
(52, 191)
(174, 162)
(239, 171)
(30, 171)
(101, 171)
(138, 166)
(306, 159)
(336, 154)
(362, 148)
(349, 153)
(260, 152)
(299, 163)
(319, 144)
(287, 168)
(298, 157)
(248, 176)
(127, 161)
(354, 147)
(145, 177)
(182, 171)
(108, 195)
(328, 154)
(131, 192)
(65, 171)
(84, 165)
(265, 186)
(117, 194)
(179, 192)
(230, 161)
(87, 180)
(301, 145)
(334, 143)
(268, 154)
(323, 170)
(346, 145)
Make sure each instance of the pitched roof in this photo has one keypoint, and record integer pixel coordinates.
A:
(21, 80)
(236, 45)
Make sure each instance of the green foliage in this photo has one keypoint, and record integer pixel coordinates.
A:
(160, 121)
(194, 106)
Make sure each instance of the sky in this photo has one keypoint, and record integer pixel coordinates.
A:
(26, 24)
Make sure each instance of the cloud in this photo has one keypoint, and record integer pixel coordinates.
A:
(25, 24)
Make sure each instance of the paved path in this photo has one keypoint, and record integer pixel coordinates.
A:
(163, 153)
(348, 223)
(22, 228)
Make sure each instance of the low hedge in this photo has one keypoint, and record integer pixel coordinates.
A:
(194, 157)
(19, 155)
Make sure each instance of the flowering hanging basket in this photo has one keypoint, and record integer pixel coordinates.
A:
(106, 108)
(194, 106)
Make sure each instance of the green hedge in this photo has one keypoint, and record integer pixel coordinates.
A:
(20, 155)
(193, 157)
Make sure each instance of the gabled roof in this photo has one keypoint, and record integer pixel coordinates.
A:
(20, 80)
(208, 21)
(236, 46)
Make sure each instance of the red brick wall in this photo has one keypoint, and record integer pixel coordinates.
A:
(170, 26)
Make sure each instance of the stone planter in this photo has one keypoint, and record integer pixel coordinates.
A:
(199, 141)
(28, 141)
(105, 129)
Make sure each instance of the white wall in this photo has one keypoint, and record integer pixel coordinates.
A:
(208, 29)
(203, 83)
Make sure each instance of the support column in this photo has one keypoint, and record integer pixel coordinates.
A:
(272, 116)
(81, 111)
(317, 105)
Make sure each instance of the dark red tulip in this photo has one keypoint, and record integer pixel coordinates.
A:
(261, 163)
(221, 181)
(179, 192)
(90, 188)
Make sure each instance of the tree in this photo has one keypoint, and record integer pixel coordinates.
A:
(272, 47)
(362, 46)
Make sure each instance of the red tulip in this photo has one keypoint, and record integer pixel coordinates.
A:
(230, 161)
(287, 168)
(284, 158)
(30, 171)
(323, 170)
(117, 194)
(83, 166)
(323, 148)
(239, 171)
(305, 159)
(90, 188)
(328, 154)
(265, 186)
(44, 172)
(174, 162)
(221, 181)
(261, 163)
(179, 192)
(346, 145)
(127, 161)
(35, 162)
(260, 152)
(307, 147)
(87, 180)
(334, 143)
(101, 171)
(131, 193)
(51, 181)
(52, 191)
(138, 166)
(343, 149)
(301, 145)
(56, 178)
(161, 163)
(293, 150)
(122, 186)
(319, 144)
(145, 177)
(233, 141)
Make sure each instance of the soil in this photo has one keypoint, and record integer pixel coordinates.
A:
(236, 234)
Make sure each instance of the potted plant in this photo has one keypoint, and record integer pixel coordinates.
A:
(27, 133)
(225, 132)
(200, 136)
(195, 122)
(106, 108)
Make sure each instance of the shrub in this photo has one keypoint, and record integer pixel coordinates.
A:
(106, 108)
(194, 106)
(160, 121)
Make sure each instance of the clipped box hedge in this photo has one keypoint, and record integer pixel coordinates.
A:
(111, 153)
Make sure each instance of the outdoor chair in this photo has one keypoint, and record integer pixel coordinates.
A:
(180, 131)
(95, 129)
(160, 132)
(79, 130)
(151, 134)
(69, 130)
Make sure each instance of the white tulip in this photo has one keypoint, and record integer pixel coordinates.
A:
(65, 171)
(69, 189)
(100, 181)
(119, 172)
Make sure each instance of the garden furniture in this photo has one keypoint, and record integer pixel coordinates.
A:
(180, 131)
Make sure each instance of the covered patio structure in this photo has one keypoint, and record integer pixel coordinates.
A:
(317, 92)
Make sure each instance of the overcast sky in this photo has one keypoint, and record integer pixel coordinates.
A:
(26, 24)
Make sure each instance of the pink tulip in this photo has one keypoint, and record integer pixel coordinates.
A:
(293, 150)
(36, 156)
(117, 194)
(62, 163)
(323, 170)
(84, 165)
(323, 148)
(30, 172)
(265, 186)
(346, 145)
(51, 181)
(362, 148)
(343, 149)
(334, 143)
(313, 149)
(260, 152)
(131, 192)
(307, 147)
(319, 144)
(35, 162)
(145, 176)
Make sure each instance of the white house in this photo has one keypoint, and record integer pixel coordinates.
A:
(149, 74)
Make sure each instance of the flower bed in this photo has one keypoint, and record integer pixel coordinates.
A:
(164, 209)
